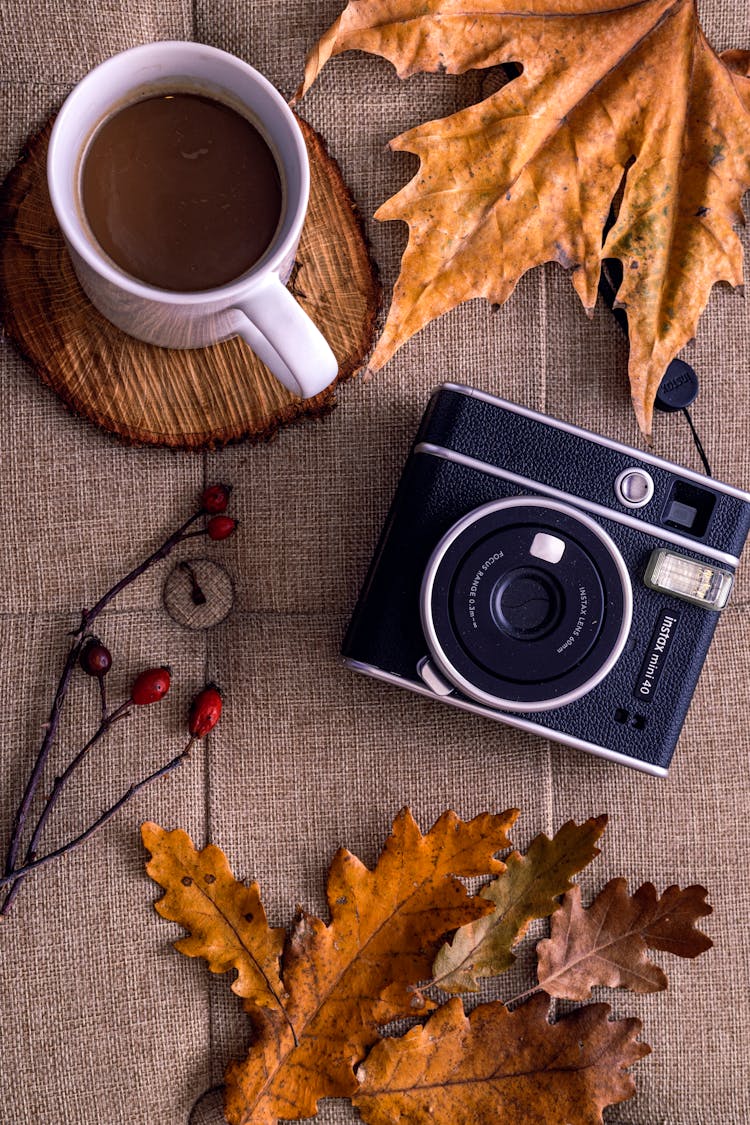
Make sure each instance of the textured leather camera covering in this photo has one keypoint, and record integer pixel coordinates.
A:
(568, 461)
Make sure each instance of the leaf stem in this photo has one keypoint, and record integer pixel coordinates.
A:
(523, 996)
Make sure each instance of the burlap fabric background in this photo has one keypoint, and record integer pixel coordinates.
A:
(102, 1022)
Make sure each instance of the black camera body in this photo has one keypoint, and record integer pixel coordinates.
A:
(554, 580)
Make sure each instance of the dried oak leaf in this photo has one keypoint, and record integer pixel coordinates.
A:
(529, 888)
(343, 980)
(501, 1067)
(606, 944)
(529, 174)
(226, 919)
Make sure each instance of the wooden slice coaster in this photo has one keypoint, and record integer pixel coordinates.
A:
(146, 395)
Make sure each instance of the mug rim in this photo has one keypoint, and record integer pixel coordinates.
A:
(95, 258)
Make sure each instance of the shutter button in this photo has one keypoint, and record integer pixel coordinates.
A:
(634, 488)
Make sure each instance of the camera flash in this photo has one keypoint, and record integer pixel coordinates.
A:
(689, 579)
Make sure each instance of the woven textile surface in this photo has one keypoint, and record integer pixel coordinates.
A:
(102, 1022)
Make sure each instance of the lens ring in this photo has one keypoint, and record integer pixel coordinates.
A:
(447, 666)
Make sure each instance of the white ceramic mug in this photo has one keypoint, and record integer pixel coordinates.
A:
(256, 306)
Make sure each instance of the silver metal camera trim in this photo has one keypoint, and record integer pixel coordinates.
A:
(608, 443)
(433, 643)
(536, 488)
(508, 720)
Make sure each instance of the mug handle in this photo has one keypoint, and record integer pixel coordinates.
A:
(281, 334)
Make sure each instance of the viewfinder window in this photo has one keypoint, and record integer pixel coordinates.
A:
(689, 509)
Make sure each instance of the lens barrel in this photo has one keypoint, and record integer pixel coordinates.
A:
(526, 604)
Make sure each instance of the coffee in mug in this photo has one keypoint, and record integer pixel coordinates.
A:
(181, 191)
(179, 247)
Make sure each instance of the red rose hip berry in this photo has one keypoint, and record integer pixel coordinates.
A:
(205, 711)
(221, 527)
(215, 498)
(95, 658)
(151, 686)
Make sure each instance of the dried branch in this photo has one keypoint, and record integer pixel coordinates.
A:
(101, 820)
(213, 500)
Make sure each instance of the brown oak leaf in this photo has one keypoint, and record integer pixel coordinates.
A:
(501, 1067)
(627, 90)
(344, 979)
(529, 888)
(606, 943)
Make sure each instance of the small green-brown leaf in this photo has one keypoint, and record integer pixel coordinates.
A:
(529, 888)
(606, 944)
(501, 1068)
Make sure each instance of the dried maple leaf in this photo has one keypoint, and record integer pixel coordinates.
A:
(344, 979)
(606, 944)
(528, 888)
(226, 919)
(501, 1067)
(529, 174)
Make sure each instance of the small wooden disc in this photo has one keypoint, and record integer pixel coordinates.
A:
(198, 399)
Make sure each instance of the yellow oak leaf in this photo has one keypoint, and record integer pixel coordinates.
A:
(625, 94)
(346, 978)
(225, 918)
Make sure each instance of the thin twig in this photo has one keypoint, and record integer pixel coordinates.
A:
(100, 821)
(87, 619)
(49, 733)
(103, 697)
(60, 783)
(160, 553)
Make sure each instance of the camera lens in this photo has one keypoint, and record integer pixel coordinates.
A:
(526, 604)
